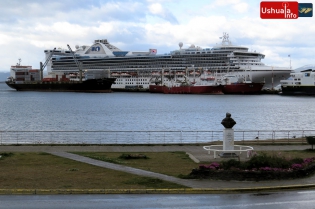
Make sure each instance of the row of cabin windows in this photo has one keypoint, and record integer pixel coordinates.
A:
(137, 83)
(131, 79)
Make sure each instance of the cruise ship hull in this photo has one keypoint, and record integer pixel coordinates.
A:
(186, 89)
(92, 85)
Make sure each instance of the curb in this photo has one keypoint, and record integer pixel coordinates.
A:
(150, 191)
(193, 157)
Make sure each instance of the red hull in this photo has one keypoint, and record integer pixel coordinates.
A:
(243, 88)
(236, 88)
(186, 89)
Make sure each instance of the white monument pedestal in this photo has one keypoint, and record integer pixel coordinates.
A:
(228, 143)
(228, 139)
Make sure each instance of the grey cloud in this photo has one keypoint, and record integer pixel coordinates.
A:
(80, 11)
(170, 17)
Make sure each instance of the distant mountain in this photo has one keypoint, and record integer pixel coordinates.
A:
(305, 67)
(4, 76)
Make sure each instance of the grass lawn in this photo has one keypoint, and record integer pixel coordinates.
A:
(292, 153)
(45, 171)
(169, 163)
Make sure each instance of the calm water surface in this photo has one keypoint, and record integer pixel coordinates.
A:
(144, 111)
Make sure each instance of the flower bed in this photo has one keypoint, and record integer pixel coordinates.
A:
(258, 168)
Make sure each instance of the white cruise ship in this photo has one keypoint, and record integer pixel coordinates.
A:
(135, 70)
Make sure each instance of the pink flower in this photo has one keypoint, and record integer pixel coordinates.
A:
(214, 164)
(265, 169)
(296, 166)
(308, 160)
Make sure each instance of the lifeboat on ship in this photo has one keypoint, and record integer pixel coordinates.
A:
(125, 74)
(115, 74)
(211, 78)
(194, 73)
(180, 73)
(156, 74)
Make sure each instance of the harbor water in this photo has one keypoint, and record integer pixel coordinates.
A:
(120, 111)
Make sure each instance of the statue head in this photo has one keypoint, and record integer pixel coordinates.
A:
(228, 122)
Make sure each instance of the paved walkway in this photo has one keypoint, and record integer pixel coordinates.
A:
(196, 152)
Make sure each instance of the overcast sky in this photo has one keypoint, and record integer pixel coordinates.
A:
(28, 27)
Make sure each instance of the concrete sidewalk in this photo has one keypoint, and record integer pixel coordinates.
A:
(196, 152)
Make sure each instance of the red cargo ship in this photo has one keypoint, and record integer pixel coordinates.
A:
(228, 84)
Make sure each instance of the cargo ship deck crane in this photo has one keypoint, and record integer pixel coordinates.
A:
(76, 61)
(42, 66)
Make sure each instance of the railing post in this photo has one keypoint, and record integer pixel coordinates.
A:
(181, 137)
(116, 137)
(164, 136)
(288, 136)
(149, 137)
(196, 137)
(212, 136)
(243, 138)
(273, 136)
(133, 136)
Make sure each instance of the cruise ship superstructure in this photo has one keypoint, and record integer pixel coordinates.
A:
(138, 69)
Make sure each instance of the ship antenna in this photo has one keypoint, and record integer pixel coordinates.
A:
(225, 40)
(19, 63)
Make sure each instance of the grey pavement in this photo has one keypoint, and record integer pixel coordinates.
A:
(196, 152)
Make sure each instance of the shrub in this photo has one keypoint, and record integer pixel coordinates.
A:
(5, 154)
(296, 160)
(133, 156)
(264, 160)
(259, 167)
(310, 140)
(232, 163)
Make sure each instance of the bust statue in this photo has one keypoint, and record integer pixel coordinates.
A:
(228, 122)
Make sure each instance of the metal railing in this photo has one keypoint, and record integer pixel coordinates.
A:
(143, 137)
